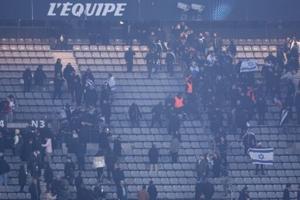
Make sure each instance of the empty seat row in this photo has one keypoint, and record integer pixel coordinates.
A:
(14, 47)
(263, 48)
(108, 48)
(107, 61)
(25, 54)
(250, 41)
(23, 41)
(28, 61)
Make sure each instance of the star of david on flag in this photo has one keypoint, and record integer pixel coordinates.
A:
(262, 156)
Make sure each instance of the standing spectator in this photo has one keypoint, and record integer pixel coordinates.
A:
(208, 190)
(49, 194)
(118, 175)
(35, 164)
(80, 154)
(216, 165)
(152, 191)
(297, 104)
(286, 192)
(249, 141)
(18, 143)
(27, 78)
(69, 171)
(48, 148)
(170, 61)
(174, 148)
(134, 115)
(117, 147)
(244, 194)
(48, 175)
(106, 111)
(298, 192)
(129, 54)
(150, 62)
(11, 108)
(78, 90)
(122, 191)
(153, 155)
(111, 82)
(58, 83)
(174, 123)
(22, 178)
(232, 49)
(58, 69)
(35, 189)
(99, 164)
(157, 111)
(69, 76)
(259, 167)
(39, 77)
(143, 194)
(88, 75)
(78, 182)
(202, 168)
(179, 103)
(261, 107)
(110, 161)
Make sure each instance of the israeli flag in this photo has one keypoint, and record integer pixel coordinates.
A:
(262, 156)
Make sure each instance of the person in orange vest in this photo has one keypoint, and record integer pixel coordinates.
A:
(179, 102)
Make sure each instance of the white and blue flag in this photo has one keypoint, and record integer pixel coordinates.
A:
(262, 156)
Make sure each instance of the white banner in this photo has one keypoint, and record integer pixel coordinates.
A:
(248, 66)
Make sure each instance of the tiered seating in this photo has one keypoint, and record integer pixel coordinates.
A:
(174, 181)
(255, 48)
(108, 57)
(24, 52)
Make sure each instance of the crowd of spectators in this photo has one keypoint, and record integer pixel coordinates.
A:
(213, 85)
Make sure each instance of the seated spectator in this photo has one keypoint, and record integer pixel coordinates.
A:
(153, 155)
(27, 79)
(134, 115)
(40, 77)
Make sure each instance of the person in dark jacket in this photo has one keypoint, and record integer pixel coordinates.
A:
(106, 111)
(170, 61)
(69, 76)
(122, 191)
(134, 115)
(152, 191)
(35, 189)
(174, 148)
(4, 169)
(48, 175)
(118, 175)
(58, 69)
(58, 83)
(78, 90)
(244, 194)
(216, 165)
(110, 161)
(117, 147)
(249, 141)
(39, 76)
(35, 164)
(69, 171)
(78, 182)
(157, 111)
(202, 168)
(261, 107)
(27, 78)
(297, 104)
(22, 177)
(286, 192)
(153, 155)
(129, 54)
(298, 192)
(208, 190)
